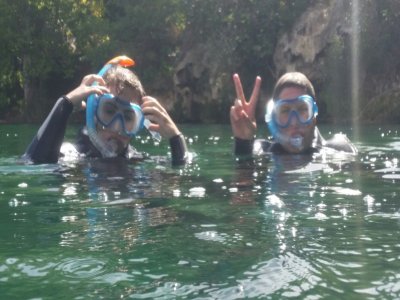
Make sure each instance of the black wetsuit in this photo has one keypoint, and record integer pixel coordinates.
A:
(45, 146)
(338, 142)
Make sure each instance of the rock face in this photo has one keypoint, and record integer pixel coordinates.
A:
(320, 45)
(317, 44)
(199, 86)
(304, 46)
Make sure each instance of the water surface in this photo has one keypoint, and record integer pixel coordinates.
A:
(271, 228)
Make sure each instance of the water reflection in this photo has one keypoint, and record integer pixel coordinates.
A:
(320, 227)
(117, 211)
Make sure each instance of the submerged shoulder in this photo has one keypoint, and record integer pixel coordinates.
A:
(68, 151)
(341, 142)
(262, 146)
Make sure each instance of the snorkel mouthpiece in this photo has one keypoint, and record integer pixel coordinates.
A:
(296, 142)
(155, 135)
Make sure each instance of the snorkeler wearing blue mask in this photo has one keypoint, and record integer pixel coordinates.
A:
(116, 110)
(291, 116)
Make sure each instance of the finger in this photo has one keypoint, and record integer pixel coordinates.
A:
(153, 122)
(152, 118)
(152, 102)
(233, 114)
(148, 98)
(255, 94)
(238, 103)
(149, 101)
(238, 113)
(154, 127)
(154, 108)
(92, 78)
(238, 87)
(100, 90)
(151, 110)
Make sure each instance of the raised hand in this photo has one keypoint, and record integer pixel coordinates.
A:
(160, 119)
(86, 88)
(242, 113)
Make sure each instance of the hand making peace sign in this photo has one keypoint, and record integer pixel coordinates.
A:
(242, 113)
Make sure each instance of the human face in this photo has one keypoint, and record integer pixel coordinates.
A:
(296, 129)
(118, 118)
(303, 108)
(116, 114)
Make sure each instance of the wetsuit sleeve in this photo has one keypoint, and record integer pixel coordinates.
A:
(45, 146)
(178, 149)
(243, 147)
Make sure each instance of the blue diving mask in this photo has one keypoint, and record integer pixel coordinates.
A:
(303, 108)
(118, 115)
(282, 112)
(112, 113)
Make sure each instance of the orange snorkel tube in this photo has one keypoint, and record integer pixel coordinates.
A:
(122, 60)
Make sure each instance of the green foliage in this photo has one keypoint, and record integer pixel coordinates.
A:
(47, 44)
(249, 28)
(148, 31)
(42, 39)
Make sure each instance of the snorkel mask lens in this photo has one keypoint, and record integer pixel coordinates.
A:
(303, 108)
(280, 113)
(112, 111)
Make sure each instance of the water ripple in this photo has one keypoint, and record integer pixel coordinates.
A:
(259, 281)
(81, 267)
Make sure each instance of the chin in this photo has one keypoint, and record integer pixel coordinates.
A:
(116, 145)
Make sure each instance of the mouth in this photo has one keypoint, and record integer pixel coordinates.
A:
(296, 133)
(115, 144)
(296, 141)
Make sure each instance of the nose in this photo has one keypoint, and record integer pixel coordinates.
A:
(117, 125)
(294, 118)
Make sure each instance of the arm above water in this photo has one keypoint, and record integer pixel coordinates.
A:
(179, 152)
(243, 147)
(161, 122)
(45, 146)
(242, 117)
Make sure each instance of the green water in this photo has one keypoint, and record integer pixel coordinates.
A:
(270, 228)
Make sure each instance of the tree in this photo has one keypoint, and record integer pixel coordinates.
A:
(43, 40)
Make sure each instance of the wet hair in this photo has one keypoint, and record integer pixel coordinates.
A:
(124, 78)
(293, 79)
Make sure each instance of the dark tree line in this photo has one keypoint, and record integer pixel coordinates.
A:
(49, 45)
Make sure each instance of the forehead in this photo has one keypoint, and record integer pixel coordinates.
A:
(128, 94)
(291, 92)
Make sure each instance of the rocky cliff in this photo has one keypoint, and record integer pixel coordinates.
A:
(318, 44)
